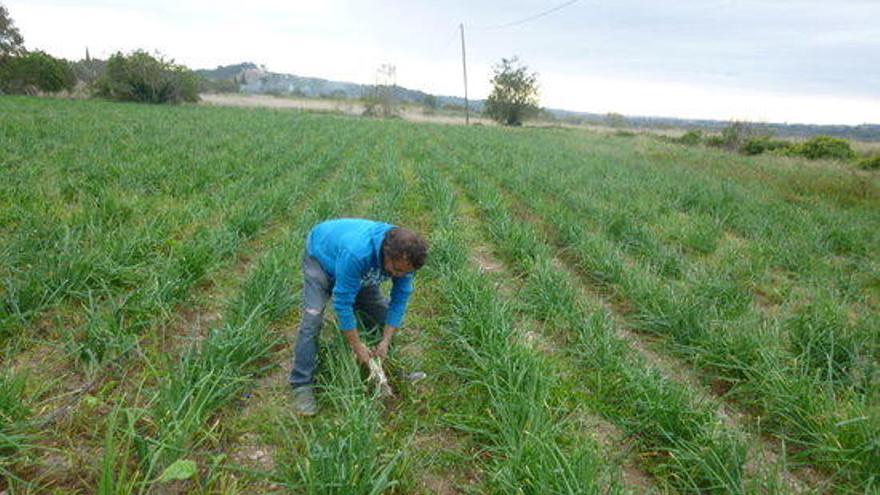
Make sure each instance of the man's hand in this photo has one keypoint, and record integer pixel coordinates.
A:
(362, 354)
(381, 350)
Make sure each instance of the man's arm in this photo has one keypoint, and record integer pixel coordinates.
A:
(361, 353)
(348, 283)
(400, 290)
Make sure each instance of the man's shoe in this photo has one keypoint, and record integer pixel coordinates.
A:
(304, 401)
(416, 376)
(412, 377)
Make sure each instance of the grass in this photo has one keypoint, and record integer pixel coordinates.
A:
(760, 275)
(14, 439)
(521, 434)
(698, 454)
(211, 375)
(344, 454)
(710, 318)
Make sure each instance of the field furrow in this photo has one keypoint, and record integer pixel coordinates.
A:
(118, 376)
(585, 424)
(523, 243)
(132, 226)
(599, 313)
(512, 415)
(692, 324)
(261, 439)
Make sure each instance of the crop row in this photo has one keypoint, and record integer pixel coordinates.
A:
(109, 234)
(510, 412)
(347, 449)
(190, 391)
(687, 445)
(809, 377)
(115, 325)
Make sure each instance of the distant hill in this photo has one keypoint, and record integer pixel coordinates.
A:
(863, 132)
(255, 79)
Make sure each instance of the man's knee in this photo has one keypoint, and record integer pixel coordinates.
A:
(312, 319)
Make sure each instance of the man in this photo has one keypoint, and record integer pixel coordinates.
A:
(347, 259)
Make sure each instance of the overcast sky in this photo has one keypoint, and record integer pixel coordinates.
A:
(815, 61)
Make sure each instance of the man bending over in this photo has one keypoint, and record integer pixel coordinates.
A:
(347, 259)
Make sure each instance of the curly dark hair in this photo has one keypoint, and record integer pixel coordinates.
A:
(407, 245)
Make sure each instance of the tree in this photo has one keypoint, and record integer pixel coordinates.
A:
(380, 100)
(430, 104)
(615, 120)
(735, 135)
(88, 70)
(514, 96)
(28, 72)
(11, 42)
(36, 71)
(144, 78)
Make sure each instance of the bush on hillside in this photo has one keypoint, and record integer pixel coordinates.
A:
(869, 163)
(88, 70)
(430, 104)
(690, 138)
(734, 136)
(32, 72)
(143, 78)
(763, 144)
(714, 141)
(823, 147)
(737, 134)
(379, 101)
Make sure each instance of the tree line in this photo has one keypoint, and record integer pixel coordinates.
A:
(137, 76)
(143, 77)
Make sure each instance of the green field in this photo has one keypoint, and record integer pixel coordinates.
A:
(599, 313)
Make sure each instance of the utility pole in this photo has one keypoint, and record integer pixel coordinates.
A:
(467, 119)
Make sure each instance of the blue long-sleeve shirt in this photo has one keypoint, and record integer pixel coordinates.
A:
(350, 251)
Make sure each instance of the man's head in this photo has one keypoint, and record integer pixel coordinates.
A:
(403, 251)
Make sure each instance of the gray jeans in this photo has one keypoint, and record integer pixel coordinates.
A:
(370, 306)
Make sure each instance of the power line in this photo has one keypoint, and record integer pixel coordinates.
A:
(440, 48)
(526, 19)
(492, 27)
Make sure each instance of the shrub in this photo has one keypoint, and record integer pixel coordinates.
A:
(716, 141)
(88, 70)
(379, 101)
(736, 134)
(36, 71)
(690, 138)
(430, 104)
(869, 163)
(824, 147)
(762, 144)
(143, 78)
(615, 120)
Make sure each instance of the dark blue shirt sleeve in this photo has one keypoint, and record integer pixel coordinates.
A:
(348, 283)
(400, 290)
